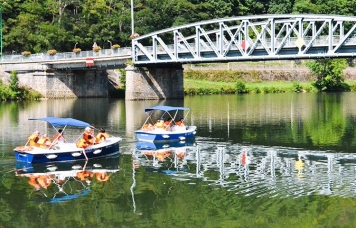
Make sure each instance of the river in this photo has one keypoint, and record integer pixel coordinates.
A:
(259, 160)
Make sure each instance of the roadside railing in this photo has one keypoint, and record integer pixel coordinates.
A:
(44, 57)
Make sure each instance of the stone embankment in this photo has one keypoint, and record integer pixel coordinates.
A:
(287, 72)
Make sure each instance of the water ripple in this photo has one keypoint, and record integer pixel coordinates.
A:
(264, 171)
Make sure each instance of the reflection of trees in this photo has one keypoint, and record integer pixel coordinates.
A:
(299, 120)
(327, 123)
(165, 201)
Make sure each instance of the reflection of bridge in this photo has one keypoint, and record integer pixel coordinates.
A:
(260, 171)
(162, 53)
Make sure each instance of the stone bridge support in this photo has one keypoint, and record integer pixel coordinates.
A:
(67, 83)
(154, 83)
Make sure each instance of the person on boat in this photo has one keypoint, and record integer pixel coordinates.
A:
(180, 122)
(87, 132)
(147, 127)
(168, 124)
(88, 136)
(33, 139)
(44, 141)
(90, 140)
(101, 136)
(59, 137)
(159, 124)
(84, 143)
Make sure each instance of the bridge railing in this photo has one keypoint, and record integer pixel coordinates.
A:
(45, 57)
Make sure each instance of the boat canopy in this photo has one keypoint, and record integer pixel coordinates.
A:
(166, 108)
(62, 122)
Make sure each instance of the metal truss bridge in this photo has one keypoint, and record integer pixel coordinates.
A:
(249, 38)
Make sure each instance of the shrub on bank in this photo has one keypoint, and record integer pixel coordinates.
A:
(16, 92)
(240, 87)
(297, 87)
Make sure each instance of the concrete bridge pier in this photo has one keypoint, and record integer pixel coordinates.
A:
(154, 83)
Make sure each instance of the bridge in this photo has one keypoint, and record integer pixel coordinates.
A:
(250, 38)
(156, 71)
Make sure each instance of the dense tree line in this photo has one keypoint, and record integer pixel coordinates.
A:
(40, 25)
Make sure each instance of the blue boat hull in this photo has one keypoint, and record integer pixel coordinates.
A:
(166, 136)
(45, 156)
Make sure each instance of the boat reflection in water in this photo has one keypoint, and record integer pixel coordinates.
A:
(271, 171)
(158, 155)
(156, 146)
(60, 182)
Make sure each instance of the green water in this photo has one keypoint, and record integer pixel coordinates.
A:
(275, 160)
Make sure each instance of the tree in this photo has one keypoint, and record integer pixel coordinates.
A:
(330, 76)
(14, 86)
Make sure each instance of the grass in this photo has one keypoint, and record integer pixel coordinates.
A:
(192, 86)
(191, 83)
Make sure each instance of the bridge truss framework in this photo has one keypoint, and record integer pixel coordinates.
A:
(249, 38)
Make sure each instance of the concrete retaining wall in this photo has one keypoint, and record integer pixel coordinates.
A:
(65, 84)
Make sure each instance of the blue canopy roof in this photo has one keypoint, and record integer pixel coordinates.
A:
(62, 122)
(166, 108)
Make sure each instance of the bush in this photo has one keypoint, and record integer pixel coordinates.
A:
(14, 86)
(77, 50)
(96, 48)
(14, 92)
(240, 87)
(52, 52)
(26, 53)
(297, 87)
(115, 46)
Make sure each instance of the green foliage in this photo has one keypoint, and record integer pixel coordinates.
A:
(14, 81)
(14, 91)
(329, 74)
(297, 87)
(240, 87)
(29, 94)
(123, 78)
(38, 26)
(352, 87)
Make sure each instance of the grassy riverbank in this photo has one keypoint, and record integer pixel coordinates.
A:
(251, 81)
(193, 87)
